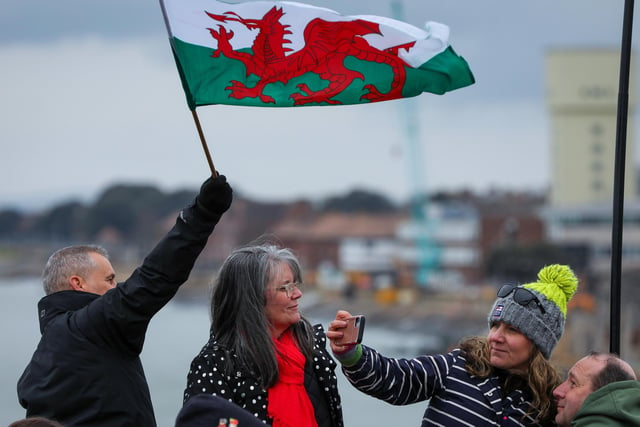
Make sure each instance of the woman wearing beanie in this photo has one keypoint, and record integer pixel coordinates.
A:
(505, 379)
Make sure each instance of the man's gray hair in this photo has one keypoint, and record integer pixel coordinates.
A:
(615, 369)
(67, 262)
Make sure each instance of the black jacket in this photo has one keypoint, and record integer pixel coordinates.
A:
(86, 369)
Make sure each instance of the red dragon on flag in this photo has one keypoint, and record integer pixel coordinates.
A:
(326, 46)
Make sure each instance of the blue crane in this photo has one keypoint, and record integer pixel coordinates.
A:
(422, 224)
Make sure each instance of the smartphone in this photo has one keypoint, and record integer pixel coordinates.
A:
(353, 331)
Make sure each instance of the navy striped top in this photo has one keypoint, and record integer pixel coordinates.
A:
(455, 397)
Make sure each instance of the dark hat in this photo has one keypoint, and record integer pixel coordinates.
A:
(206, 410)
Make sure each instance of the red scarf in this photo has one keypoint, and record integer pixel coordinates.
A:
(289, 404)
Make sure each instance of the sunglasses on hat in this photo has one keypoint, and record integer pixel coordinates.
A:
(521, 295)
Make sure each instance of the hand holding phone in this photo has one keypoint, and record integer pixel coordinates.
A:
(353, 331)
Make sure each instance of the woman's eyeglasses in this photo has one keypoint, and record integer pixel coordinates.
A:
(289, 288)
(522, 296)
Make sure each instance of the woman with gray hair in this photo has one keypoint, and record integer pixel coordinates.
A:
(262, 354)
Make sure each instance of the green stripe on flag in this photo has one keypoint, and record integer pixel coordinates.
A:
(206, 78)
(452, 69)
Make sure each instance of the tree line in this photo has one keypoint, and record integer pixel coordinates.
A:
(136, 213)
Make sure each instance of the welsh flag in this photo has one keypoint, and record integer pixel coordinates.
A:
(285, 54)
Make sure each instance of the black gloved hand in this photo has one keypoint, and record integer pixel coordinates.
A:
(215, 196)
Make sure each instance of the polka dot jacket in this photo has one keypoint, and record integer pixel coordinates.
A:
(207, 375)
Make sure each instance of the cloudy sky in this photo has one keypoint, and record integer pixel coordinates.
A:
(90, 97)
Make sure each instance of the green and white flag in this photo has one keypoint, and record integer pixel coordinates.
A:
(285, 54)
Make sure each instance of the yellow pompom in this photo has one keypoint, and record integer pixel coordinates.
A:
(557, 283)
(561, 275)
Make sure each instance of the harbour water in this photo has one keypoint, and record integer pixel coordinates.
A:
(175, 336)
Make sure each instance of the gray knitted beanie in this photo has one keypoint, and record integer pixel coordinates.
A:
(542, 321)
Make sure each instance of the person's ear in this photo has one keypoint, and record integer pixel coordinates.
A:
(76, 283)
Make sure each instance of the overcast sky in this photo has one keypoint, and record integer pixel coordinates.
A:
(90, 97)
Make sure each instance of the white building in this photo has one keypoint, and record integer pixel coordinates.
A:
(582, 95)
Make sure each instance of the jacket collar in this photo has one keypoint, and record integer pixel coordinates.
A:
(61, 302)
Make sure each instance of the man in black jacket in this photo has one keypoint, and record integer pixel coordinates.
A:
(86, 369)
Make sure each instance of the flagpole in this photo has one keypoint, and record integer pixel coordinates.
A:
(214, 173)
(618, 183)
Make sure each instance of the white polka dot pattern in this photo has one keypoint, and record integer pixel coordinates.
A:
(206, 375)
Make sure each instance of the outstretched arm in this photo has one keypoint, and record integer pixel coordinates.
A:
(121, 316)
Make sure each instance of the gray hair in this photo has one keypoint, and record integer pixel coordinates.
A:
(67, 262)
(615, 369)
(238, 318)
